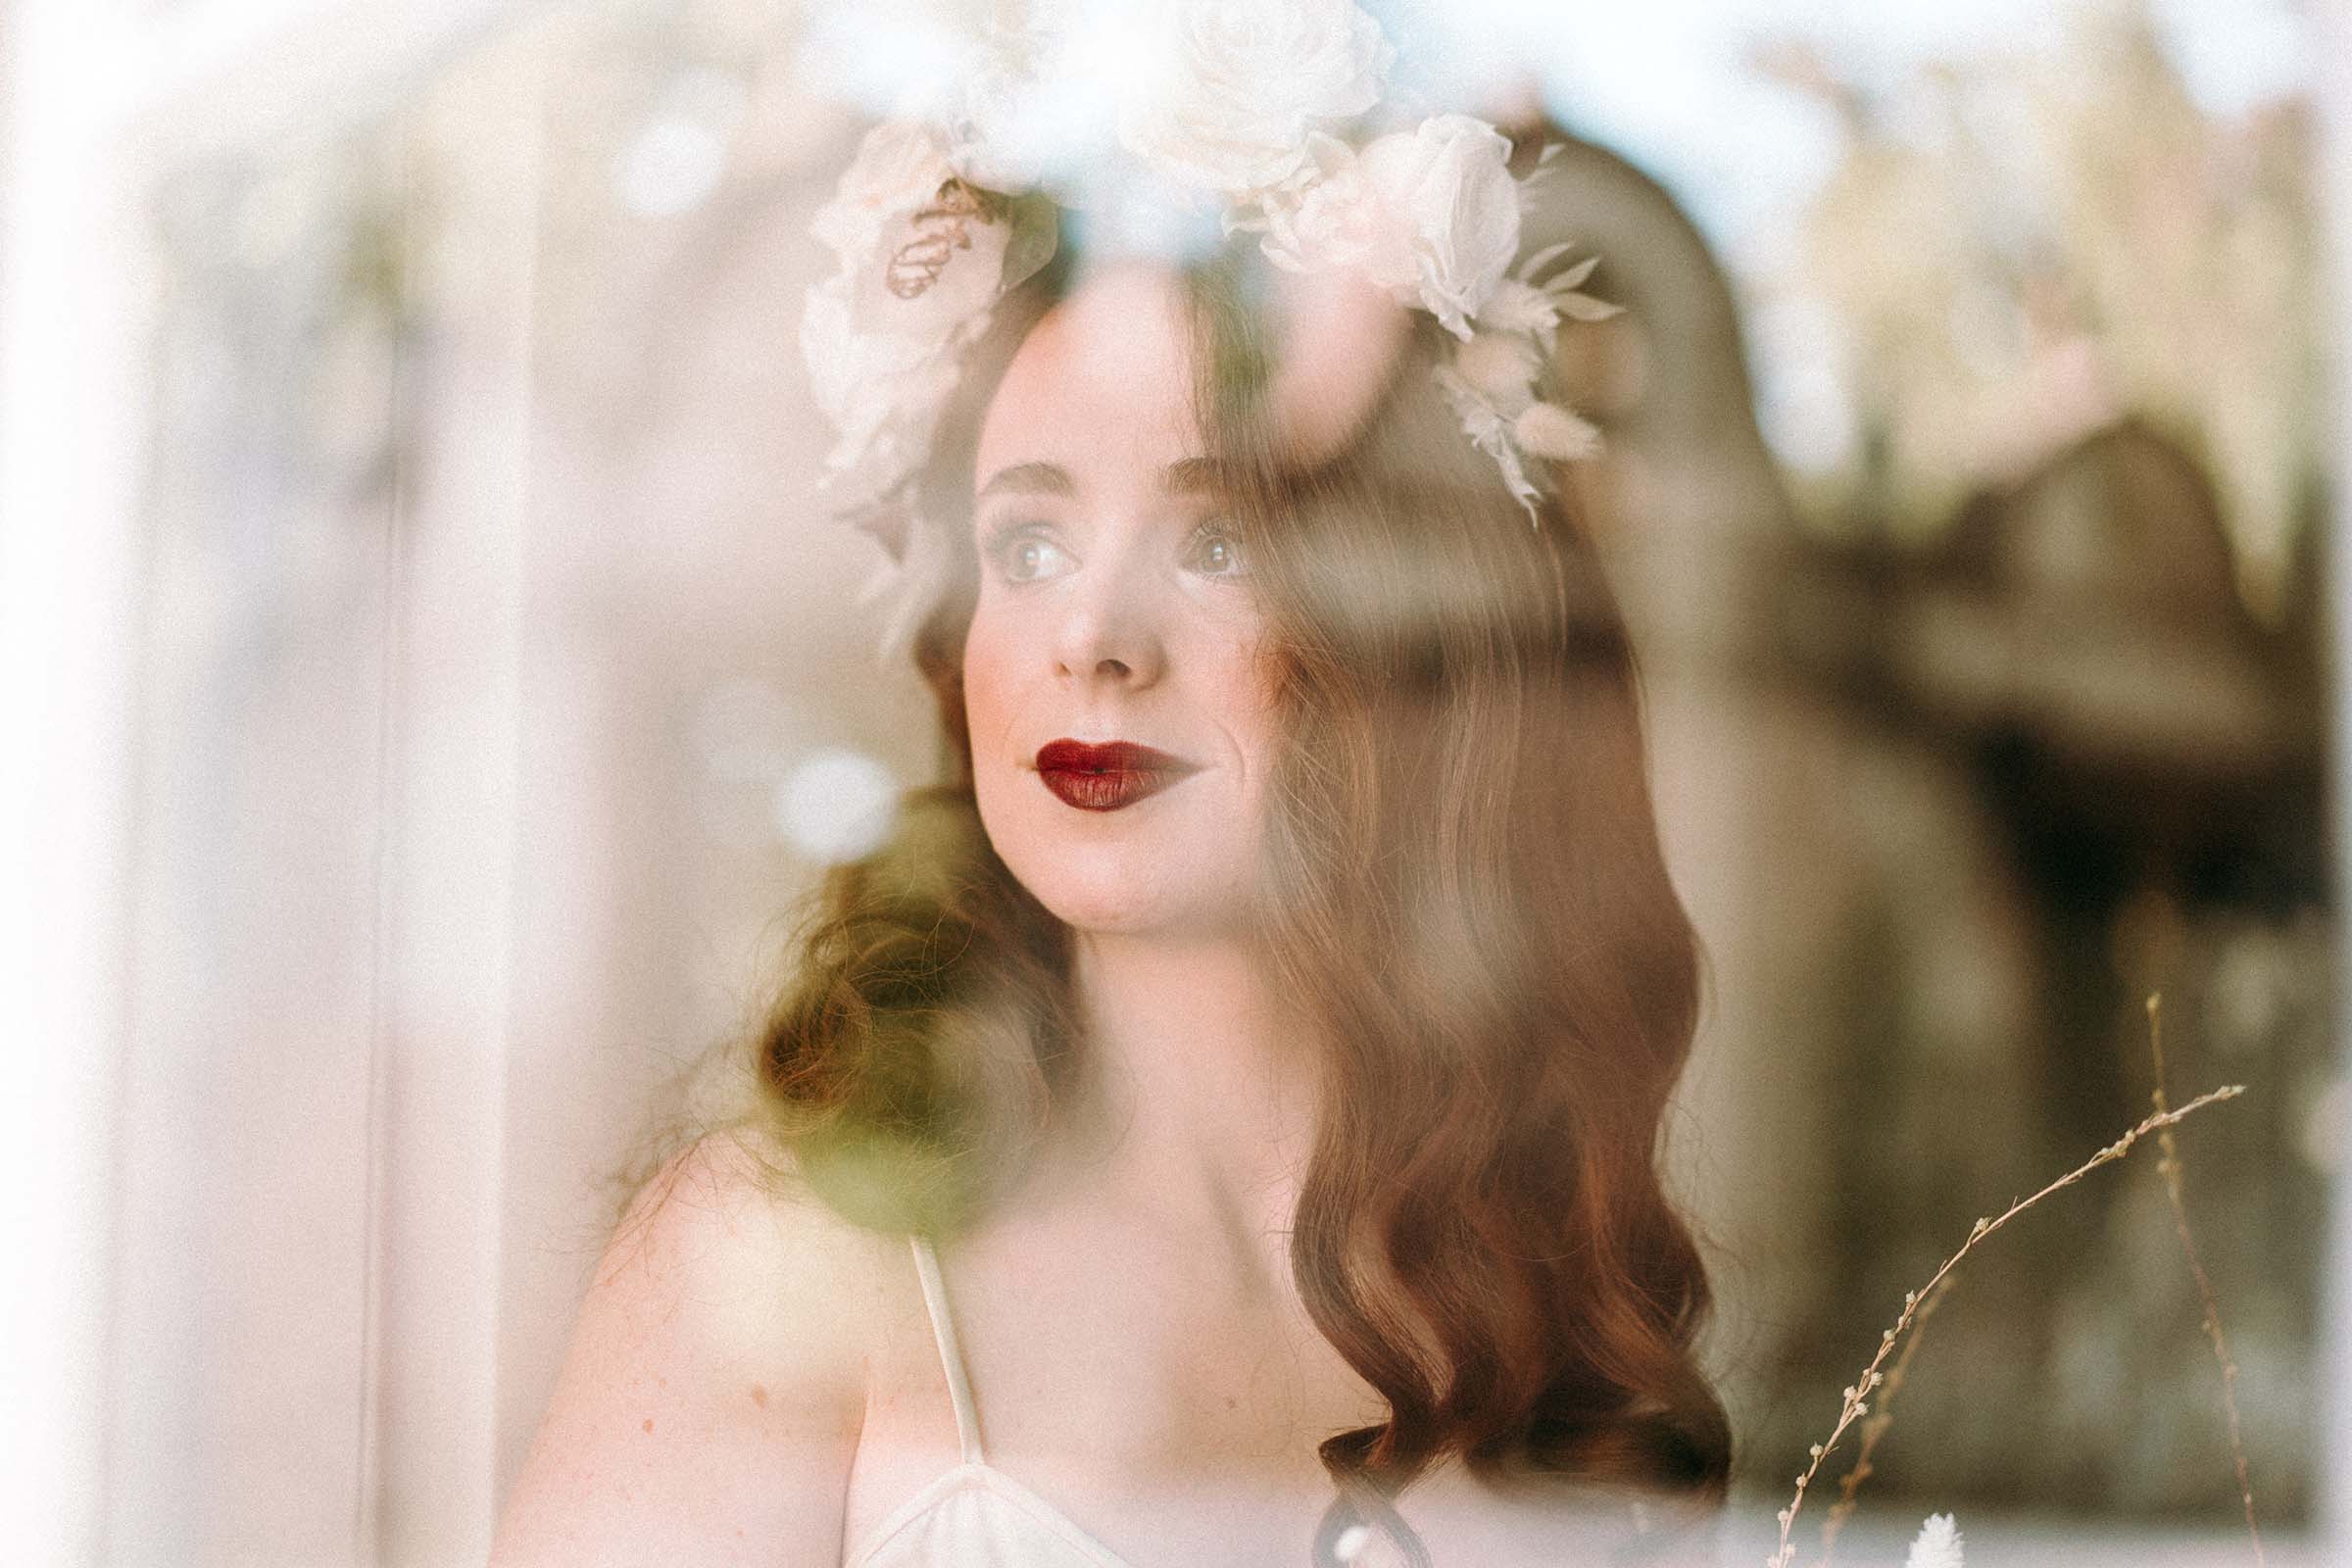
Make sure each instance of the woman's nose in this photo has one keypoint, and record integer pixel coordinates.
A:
(1110, 628)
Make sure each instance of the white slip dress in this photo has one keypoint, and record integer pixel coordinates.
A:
(975, 1515)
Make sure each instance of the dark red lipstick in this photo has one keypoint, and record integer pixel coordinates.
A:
(1105, 777)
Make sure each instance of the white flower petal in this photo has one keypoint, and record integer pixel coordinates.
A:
(1584, 308)
(1543, 258)
(1574, 276)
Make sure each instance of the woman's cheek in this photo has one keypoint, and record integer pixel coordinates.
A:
(1253, 690)
(984, 698)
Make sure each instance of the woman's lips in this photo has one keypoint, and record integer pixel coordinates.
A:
(1105, 777)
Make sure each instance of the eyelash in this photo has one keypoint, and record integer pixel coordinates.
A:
(1006, 538)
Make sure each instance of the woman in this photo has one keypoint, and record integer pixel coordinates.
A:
(1230, 1100)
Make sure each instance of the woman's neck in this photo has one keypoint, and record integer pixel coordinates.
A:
(1197, 1094)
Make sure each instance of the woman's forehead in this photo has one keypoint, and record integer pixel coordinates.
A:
(1106, 377)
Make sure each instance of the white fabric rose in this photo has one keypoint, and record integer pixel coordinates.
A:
(1431, 214)
(1338, 219)
(882, 367)
(920, 252)
(1240, 86)
(924, 257)
(882, 392)
(883, 338)
(1450, 182)
(899, 165)
(1031, 113)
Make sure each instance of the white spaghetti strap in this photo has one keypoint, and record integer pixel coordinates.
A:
(951, 1353)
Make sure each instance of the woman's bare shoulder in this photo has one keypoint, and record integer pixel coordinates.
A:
(715, 1389)
(727, 1225)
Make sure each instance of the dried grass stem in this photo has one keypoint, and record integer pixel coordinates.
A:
(2167, 1165)
(1857, 1397)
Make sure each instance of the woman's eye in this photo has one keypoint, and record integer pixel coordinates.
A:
(1220, 554)
(1025, 557)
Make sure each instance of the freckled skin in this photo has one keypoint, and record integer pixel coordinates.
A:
(760, 1395)
(650, 1453)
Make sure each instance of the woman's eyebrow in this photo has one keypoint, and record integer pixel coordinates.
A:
(1189, 476)
(1029, 479)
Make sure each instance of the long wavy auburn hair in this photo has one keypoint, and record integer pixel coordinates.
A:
(1461, 883)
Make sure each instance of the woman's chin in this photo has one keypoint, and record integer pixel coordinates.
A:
(1161, 876)
(1114, 914)
(1131, 906)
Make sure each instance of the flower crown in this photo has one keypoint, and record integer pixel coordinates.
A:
(1240, 103)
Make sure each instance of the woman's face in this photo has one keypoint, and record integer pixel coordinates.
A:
(1116, 605)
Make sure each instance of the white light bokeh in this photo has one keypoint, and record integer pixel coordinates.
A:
(678, 157)
(836, 805)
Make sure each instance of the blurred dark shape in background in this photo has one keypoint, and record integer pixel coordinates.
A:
(1994, 709)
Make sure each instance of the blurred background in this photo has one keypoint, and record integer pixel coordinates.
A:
(431, 681)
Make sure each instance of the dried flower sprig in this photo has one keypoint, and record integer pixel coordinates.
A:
(1873, 1429)
(1857, 1396)
(2167, 1165)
